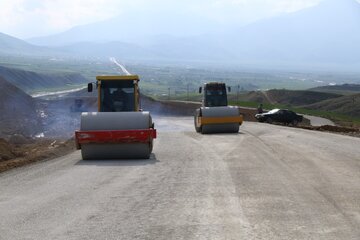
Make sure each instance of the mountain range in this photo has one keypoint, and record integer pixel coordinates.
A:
(12, 45)
(324, 35)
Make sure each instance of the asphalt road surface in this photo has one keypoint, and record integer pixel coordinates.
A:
(267, 182)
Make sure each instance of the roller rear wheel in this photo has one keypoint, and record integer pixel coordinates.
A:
(197, 114)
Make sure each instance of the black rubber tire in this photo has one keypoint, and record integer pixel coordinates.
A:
(197, 114)
(151, 145)
(269, 120)
(294, 123)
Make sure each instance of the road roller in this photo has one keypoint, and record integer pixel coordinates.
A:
(215, 116)
(119, 129)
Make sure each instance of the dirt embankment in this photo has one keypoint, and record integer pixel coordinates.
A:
(31, 128)
(18, 111)
(354, 132)
(19, 154)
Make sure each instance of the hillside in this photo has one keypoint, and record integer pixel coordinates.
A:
(322, 102)
(286, 97)
(13, 46)
(18, 111)
(298, 98)
(349, 105)
(31, 81)
(345, 89)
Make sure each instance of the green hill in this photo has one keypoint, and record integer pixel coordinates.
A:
(298, 98)
(285, 97)
(345, 89)
(349, 105)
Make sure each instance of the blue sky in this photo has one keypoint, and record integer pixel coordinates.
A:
(30, 18)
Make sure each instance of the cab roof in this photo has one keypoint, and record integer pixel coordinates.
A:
(214, 83)
(118, 77)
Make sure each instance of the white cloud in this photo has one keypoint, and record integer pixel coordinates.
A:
(28, 18)
(9, 12)
(251, 10)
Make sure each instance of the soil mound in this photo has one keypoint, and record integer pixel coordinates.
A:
(18, 111)
(6, 150)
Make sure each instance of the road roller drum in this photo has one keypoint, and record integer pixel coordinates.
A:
(125, 145)
(220, 120)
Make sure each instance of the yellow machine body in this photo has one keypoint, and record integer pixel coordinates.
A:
(218, 120)
(215, 116)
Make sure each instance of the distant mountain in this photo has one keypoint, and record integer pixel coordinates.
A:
(176, 50)
(326, 35)
(31, 81)
(129, 27)
(9, 43)
(14, 46)
(110, 49)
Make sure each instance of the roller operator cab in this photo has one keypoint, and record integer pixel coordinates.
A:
(215, 95)
(215, 116)
(117, 93)
(120, 129)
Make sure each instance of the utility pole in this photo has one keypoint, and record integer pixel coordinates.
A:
(237, 95)
(187, 89)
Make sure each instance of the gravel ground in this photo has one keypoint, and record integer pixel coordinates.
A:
(267, 182)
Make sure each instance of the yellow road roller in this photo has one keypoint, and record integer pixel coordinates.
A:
(215, 116)
(120, 129)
